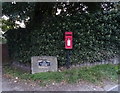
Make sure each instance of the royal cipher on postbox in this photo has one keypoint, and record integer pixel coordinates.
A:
(68, 40)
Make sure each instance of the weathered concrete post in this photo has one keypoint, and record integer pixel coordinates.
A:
(43, 64)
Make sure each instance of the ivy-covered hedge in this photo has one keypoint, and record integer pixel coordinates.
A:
(95, 37)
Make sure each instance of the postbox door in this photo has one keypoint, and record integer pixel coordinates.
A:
(68, 40)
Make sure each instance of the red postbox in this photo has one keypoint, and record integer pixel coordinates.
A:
(68, 40)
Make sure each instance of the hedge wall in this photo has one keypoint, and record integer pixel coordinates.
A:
(95, 37)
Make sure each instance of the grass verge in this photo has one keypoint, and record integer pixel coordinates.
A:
(91, 74)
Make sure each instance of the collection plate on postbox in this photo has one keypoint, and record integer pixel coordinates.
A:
(68, 40)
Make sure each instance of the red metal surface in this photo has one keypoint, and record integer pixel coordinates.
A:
(68, 40)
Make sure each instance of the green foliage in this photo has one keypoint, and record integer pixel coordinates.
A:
(95, 37)
(38, 10)
(19, 43)
(94, 74)
(6, 25)
(22, 10)
(117, 68)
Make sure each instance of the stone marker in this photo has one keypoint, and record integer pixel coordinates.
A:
(43, 64)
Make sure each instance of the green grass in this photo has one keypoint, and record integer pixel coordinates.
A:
(117, 68)
(91, 74)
